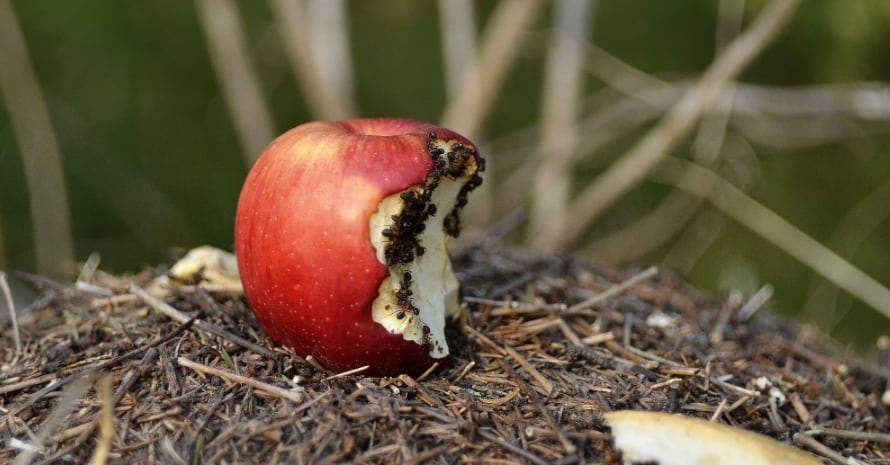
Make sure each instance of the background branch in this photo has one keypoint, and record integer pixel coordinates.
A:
(50, 218)
(240, 86)
(645, 155)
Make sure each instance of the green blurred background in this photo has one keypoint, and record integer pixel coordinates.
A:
(152, 161)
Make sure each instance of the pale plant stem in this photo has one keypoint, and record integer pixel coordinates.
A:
(293, 396)
(457, 28)
(634, 166)
(318, 85)
(621, 76)
(735, 204)
(498, 49)
(10, 306)
(41, 158)
(852, 231)
(698, 236)
(57, 417)
(3, 259)
(238, 80)
(457, 23)
(106, 422)
(708, 148)
(677, 209)
(329, 25)
(559, 112)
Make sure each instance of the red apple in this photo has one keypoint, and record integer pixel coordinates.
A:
(341, 240)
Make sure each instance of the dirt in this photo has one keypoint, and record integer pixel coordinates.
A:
(103, 375)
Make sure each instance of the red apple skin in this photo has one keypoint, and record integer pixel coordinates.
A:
(304, 252)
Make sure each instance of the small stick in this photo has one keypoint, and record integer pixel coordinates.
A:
(566, 444)
(27, 383)
(428, 372)
(346, 373)
(486, 434)
(846, 434)
(180, 317)
(719, 411)
(57, 418)
(515, 305)
(822, 449)
(484, 339)
(755, 302)
(7, 293)
(92, 369)
(106, 423)
(544, 382)
(230, 376)
(568, 333)
(614, 290)
(799, 408)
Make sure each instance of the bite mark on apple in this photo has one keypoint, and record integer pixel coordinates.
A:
(409, 234)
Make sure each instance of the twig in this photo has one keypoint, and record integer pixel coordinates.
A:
(821, 449)
(64, 407)
(457, 26)
(849, 235)
(13, 315)
(674, 212)
(614, 290)
(236, 378)
(237, 75)
(733, 203)
(559, 111)
(41, 158)
(319, 87)
(755, 302)
(27, 383)
(533, 398)
(106, 422)
(545, 383)
(529, 307)
(486, 434)
(634, 166)
(180, 317)
(94, 368)
(329, 25)
(846, 434)
(346, 373)
(499, 46)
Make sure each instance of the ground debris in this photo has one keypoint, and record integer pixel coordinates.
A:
(531, 375)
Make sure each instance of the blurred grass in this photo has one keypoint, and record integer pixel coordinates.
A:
(153, 160)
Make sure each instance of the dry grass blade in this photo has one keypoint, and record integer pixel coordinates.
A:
(237, 76)
(42, 161)
(319, 86)
(106, 423)
(634, 166)
(10, 306)
(226, 403)
(733, 203)
(329, 25)
(851, 232)
(295, 397)
(58, 416)
(559, 111)
(614, 290)
(180, 317)
(498, 48)
(674, 213)
(457, 24)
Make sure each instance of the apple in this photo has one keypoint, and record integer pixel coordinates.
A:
(341, 238)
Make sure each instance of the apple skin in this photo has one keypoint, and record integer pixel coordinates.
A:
(302, 238)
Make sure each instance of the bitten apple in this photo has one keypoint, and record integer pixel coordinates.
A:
(341, 239)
